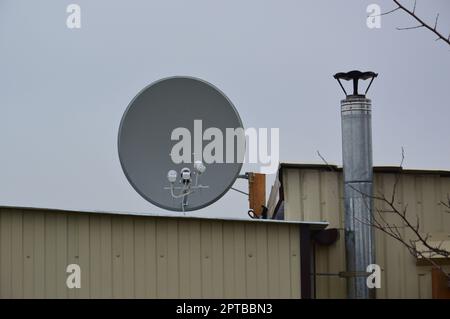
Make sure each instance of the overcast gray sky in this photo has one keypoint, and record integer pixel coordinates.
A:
(63, 91)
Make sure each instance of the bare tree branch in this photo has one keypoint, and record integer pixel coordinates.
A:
(421, 24)
(331, 168)
(379, 221)
(411, 245)
(394, 230)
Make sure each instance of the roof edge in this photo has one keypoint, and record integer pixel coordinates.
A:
(378, 169)
(314, 224)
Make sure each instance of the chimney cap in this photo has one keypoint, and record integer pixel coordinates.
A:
(355, 75)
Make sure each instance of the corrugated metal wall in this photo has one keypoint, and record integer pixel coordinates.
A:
(317, 194)
(123, 256)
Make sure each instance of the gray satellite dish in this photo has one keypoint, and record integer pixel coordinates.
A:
(145, 144)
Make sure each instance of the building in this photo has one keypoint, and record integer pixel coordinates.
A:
(305, 192)
(141, 256)
(299, 252)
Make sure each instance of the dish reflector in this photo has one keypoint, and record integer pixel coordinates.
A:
(149, 143)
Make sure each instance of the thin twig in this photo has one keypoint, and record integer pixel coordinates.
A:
(436, 22)
(421, 22)
(410, 28)
(331, 168)
(385, 13)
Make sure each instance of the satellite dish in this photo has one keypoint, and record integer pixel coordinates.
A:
(148, 143)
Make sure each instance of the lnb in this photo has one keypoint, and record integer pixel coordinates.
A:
(172, 176)
(199, 167)
(185, 175)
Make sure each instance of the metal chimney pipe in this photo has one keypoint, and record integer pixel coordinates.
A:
(358, 178)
